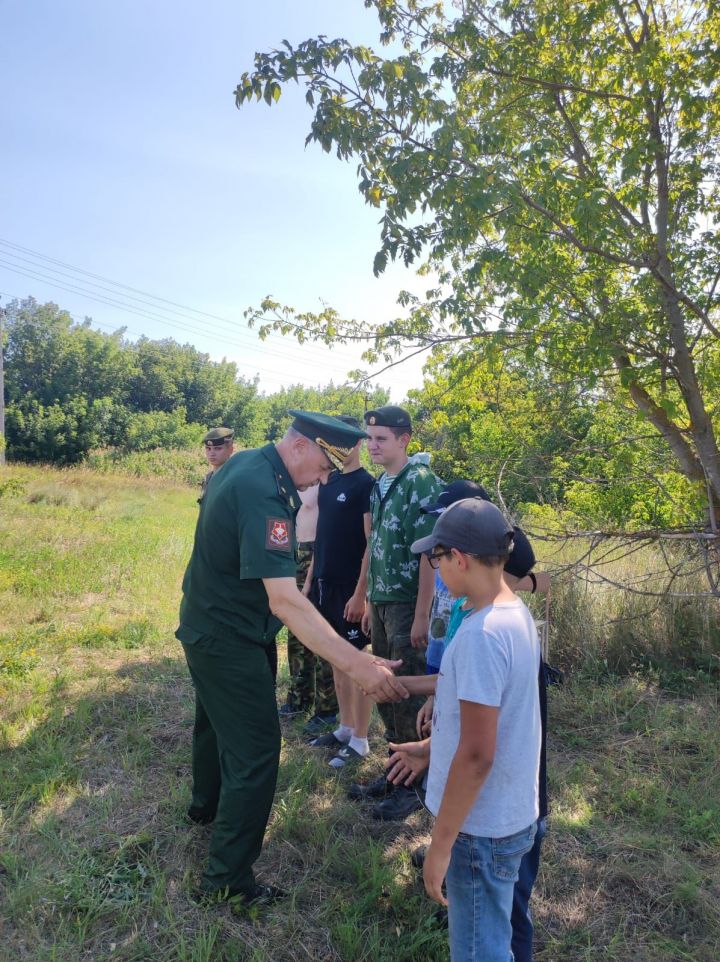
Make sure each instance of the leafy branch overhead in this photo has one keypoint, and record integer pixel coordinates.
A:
(553, 166)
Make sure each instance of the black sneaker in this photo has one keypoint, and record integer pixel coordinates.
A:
(440, 917)
(399, 805)
(417, 857)
(380, 788)
(328, 740)
(319, 724)
(346, 756)
(288, 710)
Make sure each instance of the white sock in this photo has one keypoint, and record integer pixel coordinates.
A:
(343, 733)
(360, 745)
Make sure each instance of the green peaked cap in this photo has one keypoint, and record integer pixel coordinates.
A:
(335, 437)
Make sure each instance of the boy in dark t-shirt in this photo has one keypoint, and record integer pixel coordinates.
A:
(337, 586)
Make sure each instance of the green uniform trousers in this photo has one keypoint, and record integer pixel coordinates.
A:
(390, 626)
(235, 752)
(312, 685)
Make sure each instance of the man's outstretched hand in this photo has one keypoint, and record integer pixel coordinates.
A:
(375, 677)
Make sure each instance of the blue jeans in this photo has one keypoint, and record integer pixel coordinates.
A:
(480, 883)
(522, 924)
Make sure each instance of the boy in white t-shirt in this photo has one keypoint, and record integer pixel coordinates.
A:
(483, 780)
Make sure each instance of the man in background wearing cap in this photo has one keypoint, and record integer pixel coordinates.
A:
(400, 585)
(218, 446)
(238, 588)
(486, 732)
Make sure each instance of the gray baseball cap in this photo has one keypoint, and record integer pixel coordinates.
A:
(472, 526)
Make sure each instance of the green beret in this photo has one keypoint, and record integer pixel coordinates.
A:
(335, 437)
(389, 416)
(219, 434)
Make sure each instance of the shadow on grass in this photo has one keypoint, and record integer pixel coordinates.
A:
(97, 863)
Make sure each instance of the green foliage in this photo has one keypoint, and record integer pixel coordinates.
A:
(60, 432)
(554, 167)
(329, 400)
(11, 488)
(71, 389)
(184, 466)
(620, 477)
(500, 421)
(152, 429)
(78, 394)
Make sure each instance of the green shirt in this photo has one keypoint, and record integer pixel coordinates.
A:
(397, 521)
(245, 532)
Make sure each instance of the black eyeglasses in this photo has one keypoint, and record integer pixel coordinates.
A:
(434, 559)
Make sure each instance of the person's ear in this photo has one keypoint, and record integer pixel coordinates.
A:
(459, 557)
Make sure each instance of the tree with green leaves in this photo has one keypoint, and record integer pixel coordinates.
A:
(502, 422)
(552, 165)
(328, 399)
(71, 388)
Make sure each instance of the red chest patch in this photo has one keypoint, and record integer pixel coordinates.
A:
(278, 534)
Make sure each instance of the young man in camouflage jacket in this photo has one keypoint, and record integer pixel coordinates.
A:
(400, 584)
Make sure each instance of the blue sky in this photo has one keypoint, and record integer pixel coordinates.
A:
(124, 155)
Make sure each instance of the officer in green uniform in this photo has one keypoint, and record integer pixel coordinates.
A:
(218, 445)
(238, 588)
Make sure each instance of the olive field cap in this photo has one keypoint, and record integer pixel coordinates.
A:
(389, 416)
(218, 436)
(456, 491)
(473, 527)
(335, 437)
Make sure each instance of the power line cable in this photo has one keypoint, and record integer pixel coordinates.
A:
(257, 369)
(233, 325)
(168, 322)
(127, 287)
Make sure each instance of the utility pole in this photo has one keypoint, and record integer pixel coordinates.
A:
(2, 393)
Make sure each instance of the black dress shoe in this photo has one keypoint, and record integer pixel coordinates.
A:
(263, 895)
(238, 898)
(379, 788)
(399, 805)
(200, 816)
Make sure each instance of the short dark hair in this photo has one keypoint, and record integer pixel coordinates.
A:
(492, 561)
(398, 432)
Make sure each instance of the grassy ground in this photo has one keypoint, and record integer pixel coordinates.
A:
(95, 716)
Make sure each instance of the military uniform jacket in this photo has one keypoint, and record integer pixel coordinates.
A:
(397, 521)
(245, 532)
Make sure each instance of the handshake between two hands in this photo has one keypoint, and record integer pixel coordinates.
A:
(377, 679)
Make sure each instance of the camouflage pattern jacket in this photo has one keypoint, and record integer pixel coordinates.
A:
(397, 521)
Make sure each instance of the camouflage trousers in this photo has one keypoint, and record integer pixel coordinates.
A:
(311, 678)
(390, 626)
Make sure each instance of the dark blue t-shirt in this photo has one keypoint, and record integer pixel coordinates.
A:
(340, 538)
